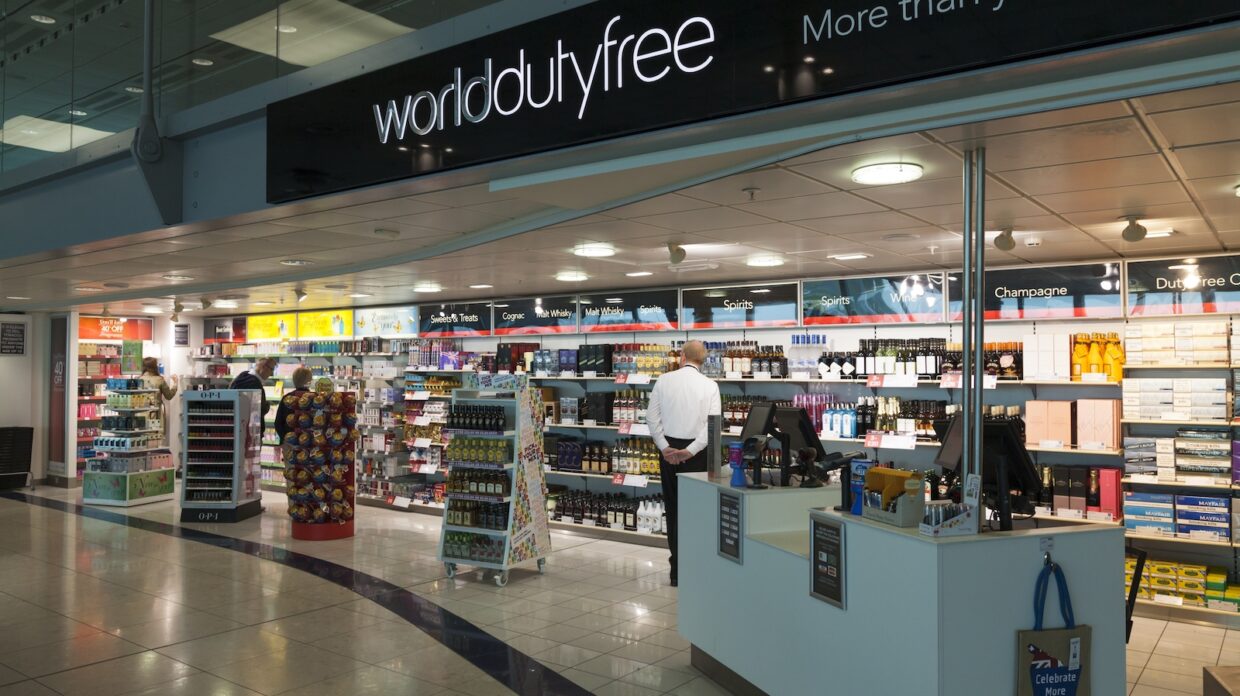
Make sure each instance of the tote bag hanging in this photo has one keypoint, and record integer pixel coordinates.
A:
(1053, 662)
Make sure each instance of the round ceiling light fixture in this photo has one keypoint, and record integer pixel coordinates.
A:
(594, 250)
(133, 89)
(427, 286)
(675, 253)
(901, 237)
(76, 112)
(1134, 231)
(176, 277)
(887, 173)
(286, 28)
(43, 19)
(295, 262)
(639, 274)
(1005, 241)
(203, 62)
(572, 276)
(481, 286)
(765, 261)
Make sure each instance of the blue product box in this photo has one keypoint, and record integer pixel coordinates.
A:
(1138, 497)
(1223, 532)
(1203, 501)
(1156, 511)
(1135, 525)
(1194, 516)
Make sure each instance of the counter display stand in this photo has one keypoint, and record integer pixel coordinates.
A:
(319, 455)
(221, 431)
(520, 532)
(131, 465)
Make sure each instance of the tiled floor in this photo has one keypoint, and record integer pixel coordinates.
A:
(1166, 658)
(88, 606)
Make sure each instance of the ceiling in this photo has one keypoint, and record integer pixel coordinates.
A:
(1062, 180)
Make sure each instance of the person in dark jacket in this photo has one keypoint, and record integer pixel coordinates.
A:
(254, 378)
(301, 385)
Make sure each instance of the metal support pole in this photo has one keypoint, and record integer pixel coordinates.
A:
(979, 304)
(159, 159)
(968, 366)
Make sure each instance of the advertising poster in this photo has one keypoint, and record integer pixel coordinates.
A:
(329, 324)
(644, 310)
(741, 307)
(386, 322)
(533, 316)
(271, 327)
(115, 329)
(897, 299)
(1082, 291)
(1205, 285)
(453, 320)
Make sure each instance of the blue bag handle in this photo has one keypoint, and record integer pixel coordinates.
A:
(1039, 596)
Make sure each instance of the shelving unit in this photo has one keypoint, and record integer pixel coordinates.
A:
(220, 440)
(526, 533)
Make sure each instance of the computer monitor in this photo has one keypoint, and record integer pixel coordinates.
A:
(758, 424)
(1006, 464)
(795, 423)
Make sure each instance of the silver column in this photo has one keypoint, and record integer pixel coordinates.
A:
(973, 286)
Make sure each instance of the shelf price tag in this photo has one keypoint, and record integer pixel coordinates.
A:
(1093, 445)
(1161, 598)
(1070, 514)
(1050, 444)
(735, 429)
(589, 422)
(874, 438)
(1222, 605)
(428, 468)
(901, 442)
(503, 372)
(951, 380)
(1094, 377)
(589, 374)
(402, 502)
(639, 378)
(733, 375)
(761, 375)
(422, 442)
(420, 396)
(625, 428)
(540, 374)
(622, 378)
(1202, 481)
(639, 429)
(636, 480)
(990, 381)
(1201, 535)
(874, 381)
(899, 381)
(422, 420)
(1098, 516)
(617, 479)
(568, 374)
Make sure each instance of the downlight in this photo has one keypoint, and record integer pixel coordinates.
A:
(1134, 231)
(571, 276)
(594, 251)
(1005, 241)
(765, 261)
(887, 173)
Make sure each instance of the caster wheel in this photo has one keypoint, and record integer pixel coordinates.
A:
(542, 566)
(450, 569)
(501, 579)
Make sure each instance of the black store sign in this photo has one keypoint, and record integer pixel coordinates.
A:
(648, 310)
(454, 320)
(617, 67)
(1087, 291)
(902, 299)
(827, 578)
(12, 338)
(536, 315)
(731, 526)
(1203, 285)
(741, 307)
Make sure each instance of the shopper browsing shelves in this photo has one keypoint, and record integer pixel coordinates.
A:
(254, 378)
(679, 406)
(151, 379)
(301, 385)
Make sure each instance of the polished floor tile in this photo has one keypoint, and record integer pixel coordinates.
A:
(120, 676)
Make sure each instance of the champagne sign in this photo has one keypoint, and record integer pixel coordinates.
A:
(899, 299)
(1081, 291)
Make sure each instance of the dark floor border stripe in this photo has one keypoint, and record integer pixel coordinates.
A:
(507, 665)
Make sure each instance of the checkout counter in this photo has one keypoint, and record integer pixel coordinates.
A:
(919, 614)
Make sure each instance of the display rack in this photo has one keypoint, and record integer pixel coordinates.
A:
(525, 535)
(220, 434)
(124, 477)
(319, 455)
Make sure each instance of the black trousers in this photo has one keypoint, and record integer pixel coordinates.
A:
(667, 474)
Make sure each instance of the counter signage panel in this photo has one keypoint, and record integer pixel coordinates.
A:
(536, 315)
(452, 320)
(827, 577)
(386, 322)
(731, 526)
(1205, 285)
(12, 338)
(647, 310)
(1087, 291)
(617, 67)
(901, 299)
(332, 323)
(180, 335)
(743, 307)
(270, 327)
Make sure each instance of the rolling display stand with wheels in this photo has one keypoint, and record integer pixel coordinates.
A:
(221, 431)
(320, 453)
(496, 514)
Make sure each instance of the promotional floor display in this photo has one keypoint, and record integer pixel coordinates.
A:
(221, 433)
(320, 457)
(496, 514)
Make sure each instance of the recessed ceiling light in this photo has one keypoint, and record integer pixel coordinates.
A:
(809, 59)
(639, 274)
(225, 304)
(571, 276)
(43, 19)
(76, 112)
(262, 303)
(174, 276)
(402, 148)
(204, 62)
(594, 250)
(16, 297)
(765, 261)
(1159, 234)
(87, 288)
(760, 291)
(615, 300)
(296, 262)
(501, 306)
(849, 257)
(768, 68)
(887, 173)
(447, 149)
(427, 286)
(481, 286)
(286, 28)
(828, 71)
(133, 89)
(1189, 265)
(152, 310)
(360, 294)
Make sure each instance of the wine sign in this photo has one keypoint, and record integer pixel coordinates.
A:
(742, 307)
(452, 320)
(536, 315)
(647, 310)
(1083, 291)
(899, 299)
(1203, 285)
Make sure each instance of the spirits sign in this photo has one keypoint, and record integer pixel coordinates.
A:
(1203, 285)
(647, 310)
(536, 315)
(616, 67)
(1083, 291)
(741, 307)
(901, 299)
(450, 320)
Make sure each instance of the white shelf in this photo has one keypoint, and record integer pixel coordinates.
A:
(1185, 366)
(1174, 484)
(1152, 421)
(478, 497)
(1076, 450)
(651, 480)
(129, 409)
(134, 391)
(475, 530)
(1176, 540)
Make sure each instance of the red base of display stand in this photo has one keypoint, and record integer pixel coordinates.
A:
(322, 532)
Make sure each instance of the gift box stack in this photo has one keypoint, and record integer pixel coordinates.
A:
(319, 456)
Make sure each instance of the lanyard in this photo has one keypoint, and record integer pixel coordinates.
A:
(1039, 596)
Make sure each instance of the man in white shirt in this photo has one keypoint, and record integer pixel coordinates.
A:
(679, 405)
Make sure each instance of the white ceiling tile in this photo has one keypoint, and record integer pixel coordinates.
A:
(1122, 137)
(864, 147)
(1134, 198)
(930, 193)
(998, 213)
(396, 207)
(704, 220)
(1206, 124)
(1125, 171)
(772, 184)
(1215, 187)
(1216, 160)
(865, 222)
(808, 207)
(659, 205)
(1221, 207)
(463, 196)
(454, 220)
(312, 221)
(1189, 98)
(1154, 214)
(1034, 122)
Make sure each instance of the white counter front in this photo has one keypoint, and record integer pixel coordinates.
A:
(922, 615)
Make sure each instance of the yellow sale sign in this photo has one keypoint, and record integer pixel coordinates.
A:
(271, 327)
